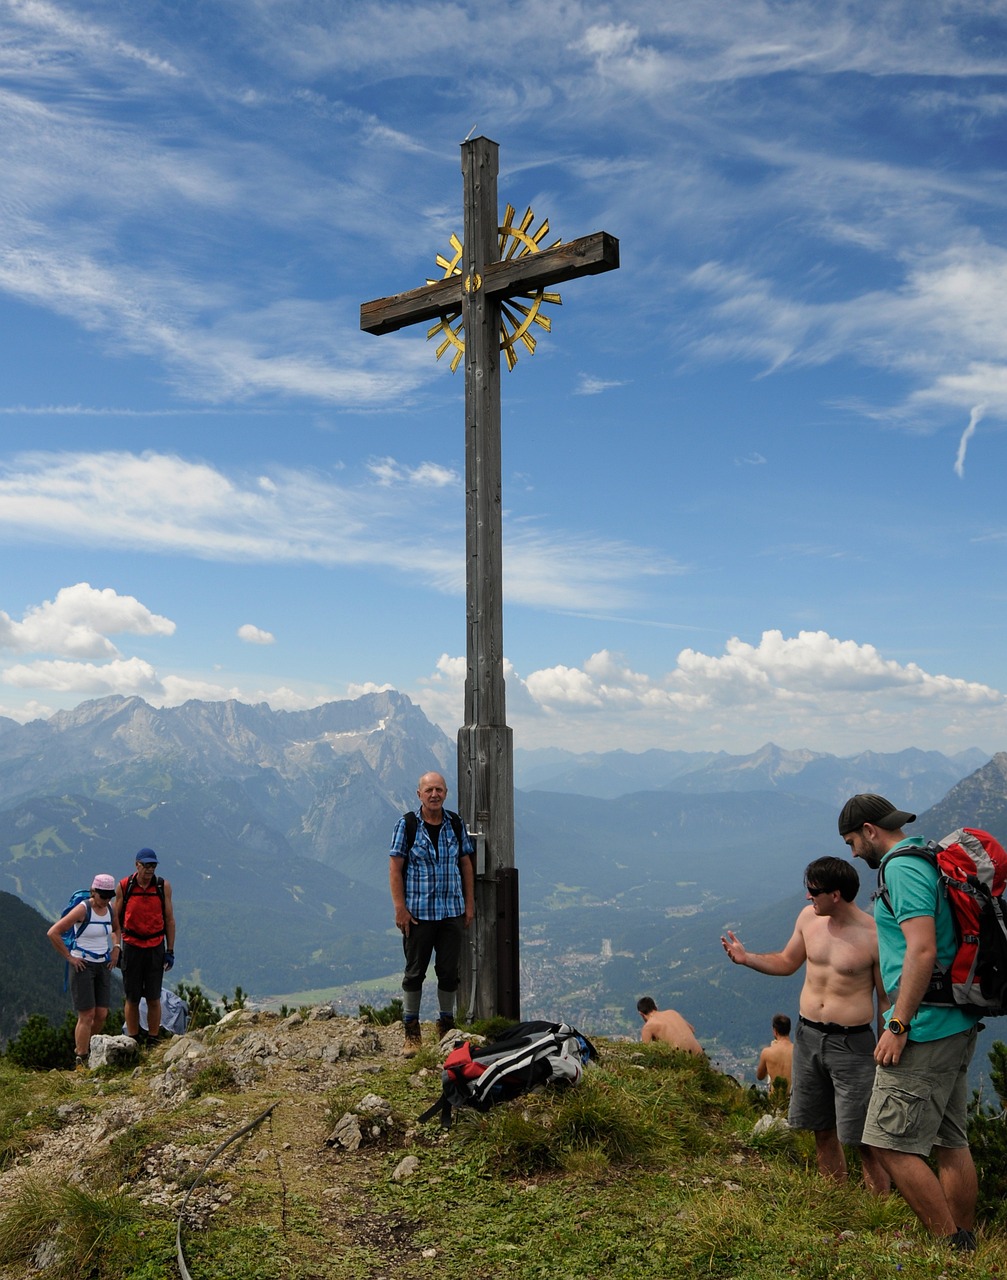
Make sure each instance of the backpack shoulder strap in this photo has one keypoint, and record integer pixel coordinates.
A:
(456, 825)
(84, 923)
(412, 823)
(929, 853)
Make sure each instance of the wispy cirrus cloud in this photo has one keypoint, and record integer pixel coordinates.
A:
(166, 504)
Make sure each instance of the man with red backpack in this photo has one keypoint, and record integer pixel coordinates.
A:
(918, 1103)
(143, 907)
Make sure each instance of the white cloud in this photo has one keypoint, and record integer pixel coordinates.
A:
(590, 385)
(77, 623)
(975, 417)
(122, 675)
(809, 690)
(163, 503)
(255, 635)
(940, 325)
(429, 475)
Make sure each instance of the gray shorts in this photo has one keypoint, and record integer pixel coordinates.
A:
(833, 1077)
(921, 1103)
(91, 987)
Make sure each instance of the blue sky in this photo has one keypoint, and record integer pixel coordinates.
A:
(753, 480)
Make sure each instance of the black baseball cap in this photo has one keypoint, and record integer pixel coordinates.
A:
(874, 809)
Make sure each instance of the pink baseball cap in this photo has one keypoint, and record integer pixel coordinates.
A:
(107, 883)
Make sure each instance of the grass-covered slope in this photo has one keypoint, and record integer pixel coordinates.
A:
(650, 1167)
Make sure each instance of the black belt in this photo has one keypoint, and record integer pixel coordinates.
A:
(835, 1028)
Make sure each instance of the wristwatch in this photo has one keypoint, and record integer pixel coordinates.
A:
(897, 1027)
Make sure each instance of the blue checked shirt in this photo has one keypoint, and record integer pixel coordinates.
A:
(433, 882)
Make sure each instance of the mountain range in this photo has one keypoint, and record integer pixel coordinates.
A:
(273, 828)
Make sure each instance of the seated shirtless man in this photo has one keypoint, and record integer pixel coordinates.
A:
(776, 1060)
(833, 1069)
(667, 1026)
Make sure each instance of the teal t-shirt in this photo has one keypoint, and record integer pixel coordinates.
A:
(914, 890)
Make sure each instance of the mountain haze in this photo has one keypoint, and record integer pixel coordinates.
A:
(273, 829)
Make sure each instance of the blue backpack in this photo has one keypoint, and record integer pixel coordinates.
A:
(70, 936)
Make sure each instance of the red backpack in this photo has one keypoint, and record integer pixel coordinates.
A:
(972, 870)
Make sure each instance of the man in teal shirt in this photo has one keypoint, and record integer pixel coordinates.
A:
(918, 1103)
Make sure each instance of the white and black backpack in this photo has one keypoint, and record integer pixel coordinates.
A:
(524, 1057)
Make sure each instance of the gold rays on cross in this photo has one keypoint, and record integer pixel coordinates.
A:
(517, 317)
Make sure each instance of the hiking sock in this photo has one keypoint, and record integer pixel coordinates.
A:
(446, 1003)
(411, 1004)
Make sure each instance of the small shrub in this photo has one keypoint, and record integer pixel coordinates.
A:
(218, 1077)
(237, 1003)
(128, 1149)
(382, 1017)
(39, 1046)
(202, 1012)
(987, 1131)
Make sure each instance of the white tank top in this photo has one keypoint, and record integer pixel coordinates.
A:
(95, 941)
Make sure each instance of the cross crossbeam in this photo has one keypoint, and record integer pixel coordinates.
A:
(588, 256)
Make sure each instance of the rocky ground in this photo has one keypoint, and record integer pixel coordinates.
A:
(305, 1169)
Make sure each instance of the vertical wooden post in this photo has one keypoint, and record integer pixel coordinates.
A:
(485, 748)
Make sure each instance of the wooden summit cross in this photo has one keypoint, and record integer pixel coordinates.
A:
(495, 266)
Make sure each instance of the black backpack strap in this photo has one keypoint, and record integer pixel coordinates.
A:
(127, 891)
(412, 824)
(441, 1107)
(456, 826)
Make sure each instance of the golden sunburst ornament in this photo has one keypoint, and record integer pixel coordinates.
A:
(516, 317)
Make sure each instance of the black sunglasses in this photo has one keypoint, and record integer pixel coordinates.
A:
(816, 892)
(107, 894)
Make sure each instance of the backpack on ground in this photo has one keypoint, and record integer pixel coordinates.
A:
(412, 825)
(524, 1057)
(174, 1012)
(972, 870)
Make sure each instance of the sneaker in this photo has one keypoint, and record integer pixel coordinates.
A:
(80, 1062)
(963, 1240)
(414, 1038)
(445, 1023)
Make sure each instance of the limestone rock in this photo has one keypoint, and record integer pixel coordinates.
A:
(113, 1051)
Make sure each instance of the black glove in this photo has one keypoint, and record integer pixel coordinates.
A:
(169, 959)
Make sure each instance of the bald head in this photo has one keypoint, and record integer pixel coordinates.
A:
(432, 791)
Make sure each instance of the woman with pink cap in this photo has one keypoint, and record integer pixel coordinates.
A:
(92, 955)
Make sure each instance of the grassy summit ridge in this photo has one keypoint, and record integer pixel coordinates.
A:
(649, 1167)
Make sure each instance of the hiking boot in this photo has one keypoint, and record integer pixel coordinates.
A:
(445, 1023)
(414, 1038)
(80, 1062)
(963, 1240)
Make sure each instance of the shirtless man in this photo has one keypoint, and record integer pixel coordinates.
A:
(668, 1026)
(833, 1068)
(776, 1060)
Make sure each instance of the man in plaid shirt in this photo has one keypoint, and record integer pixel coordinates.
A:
(433, 891)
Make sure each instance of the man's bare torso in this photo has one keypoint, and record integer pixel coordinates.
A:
(671, 1028)
(842, 964)
(778, 1058)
